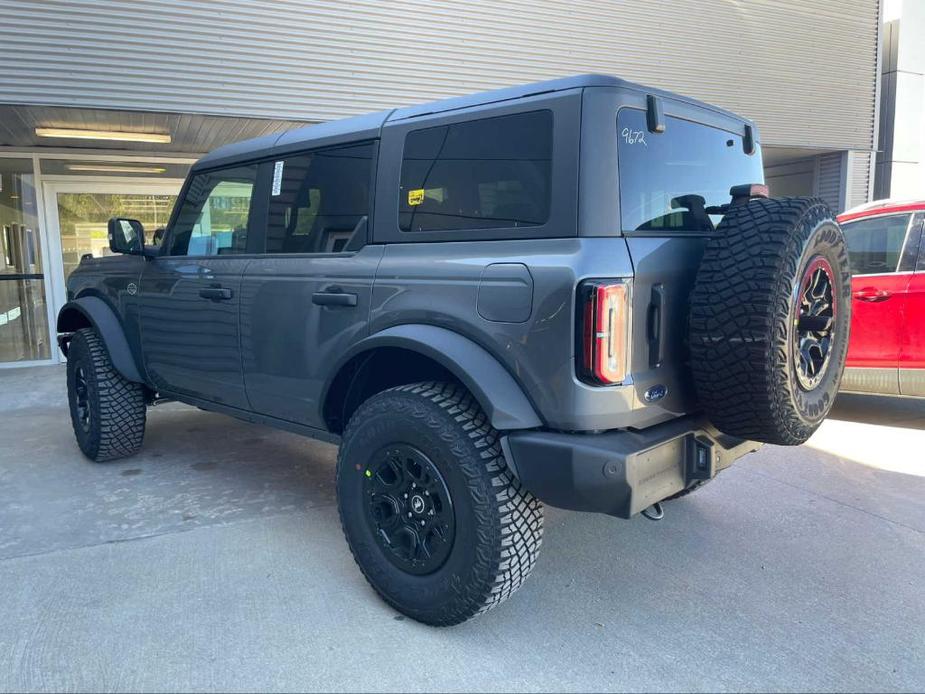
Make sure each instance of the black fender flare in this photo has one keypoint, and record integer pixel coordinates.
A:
(105, 321)
(490, 383)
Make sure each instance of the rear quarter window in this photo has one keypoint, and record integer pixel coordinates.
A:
(668, 180)
(479, 174)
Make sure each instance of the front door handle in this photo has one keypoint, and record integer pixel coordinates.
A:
(216, 293)
(334, 299)
(871, 294)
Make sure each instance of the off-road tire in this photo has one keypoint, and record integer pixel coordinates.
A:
(742, 319)
(116, 406)
(498, 525)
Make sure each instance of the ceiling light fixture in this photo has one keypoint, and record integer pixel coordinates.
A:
(105, 168)
(115, 135)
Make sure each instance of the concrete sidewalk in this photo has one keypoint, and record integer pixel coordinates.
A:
(214, 561)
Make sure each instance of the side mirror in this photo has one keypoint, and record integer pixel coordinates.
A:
(126, 236)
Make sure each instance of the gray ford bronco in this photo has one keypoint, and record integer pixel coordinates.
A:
(575, 292)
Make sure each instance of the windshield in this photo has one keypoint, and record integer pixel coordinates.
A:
(668, 180)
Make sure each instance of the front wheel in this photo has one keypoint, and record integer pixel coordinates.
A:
(107, 411)
(434, 518)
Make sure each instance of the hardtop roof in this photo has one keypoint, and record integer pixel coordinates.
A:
(368, 126)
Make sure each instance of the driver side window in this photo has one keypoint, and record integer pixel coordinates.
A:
(876, 244)
(215, 214)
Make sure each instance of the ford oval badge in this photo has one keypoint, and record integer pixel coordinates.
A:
(656, 393)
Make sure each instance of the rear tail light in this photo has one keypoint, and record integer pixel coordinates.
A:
(603, 311)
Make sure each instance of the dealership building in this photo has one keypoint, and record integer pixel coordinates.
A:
(105, 104)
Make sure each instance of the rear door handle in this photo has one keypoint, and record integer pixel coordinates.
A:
(872, 295)
(216, 293)
(334, 299)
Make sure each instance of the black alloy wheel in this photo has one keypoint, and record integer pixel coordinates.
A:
(815, 322)
(409, 509)
(82, 398)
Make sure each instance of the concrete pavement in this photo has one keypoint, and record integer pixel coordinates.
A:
(214, 561)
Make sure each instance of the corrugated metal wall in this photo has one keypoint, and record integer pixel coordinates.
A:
(858, 188)
(794, 177)
(806, 71)
(843, 179)
(830, 179)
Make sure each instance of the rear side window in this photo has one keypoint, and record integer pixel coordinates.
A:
(480, 174)
(215, 214)
(319, 201)
(669, 180)
(876, 244)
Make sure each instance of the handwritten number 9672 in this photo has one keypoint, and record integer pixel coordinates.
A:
(634, 137)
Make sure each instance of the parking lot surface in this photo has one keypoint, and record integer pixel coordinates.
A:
(214, 561)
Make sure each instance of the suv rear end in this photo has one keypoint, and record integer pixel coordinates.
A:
(588, 223)
(584, 297)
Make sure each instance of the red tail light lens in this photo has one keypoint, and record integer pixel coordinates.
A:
(603, 313)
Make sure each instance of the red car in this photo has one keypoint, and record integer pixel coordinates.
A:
(886, 247)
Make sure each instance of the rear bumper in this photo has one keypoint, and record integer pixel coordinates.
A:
(620, 473)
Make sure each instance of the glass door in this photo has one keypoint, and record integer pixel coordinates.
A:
(24, 335)
(78, 212)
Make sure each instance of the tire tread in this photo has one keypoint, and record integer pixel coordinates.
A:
(121, 410)
(739, 310)
(508, 518)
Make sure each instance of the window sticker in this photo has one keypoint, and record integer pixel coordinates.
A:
(416, 196)
(277, 178)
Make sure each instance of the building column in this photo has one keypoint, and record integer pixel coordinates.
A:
(900, 168)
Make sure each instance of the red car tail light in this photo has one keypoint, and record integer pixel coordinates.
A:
(603, 310)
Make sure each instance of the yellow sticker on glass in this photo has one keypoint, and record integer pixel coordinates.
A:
(416, 197)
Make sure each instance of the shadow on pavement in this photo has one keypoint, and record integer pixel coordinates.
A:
(908, 413)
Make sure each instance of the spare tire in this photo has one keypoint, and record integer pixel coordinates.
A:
(769, 319)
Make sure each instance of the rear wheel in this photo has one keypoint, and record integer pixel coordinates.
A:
(107, 411)
(432, 515)
(770, 313)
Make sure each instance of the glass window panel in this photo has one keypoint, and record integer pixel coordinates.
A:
(213, 218)
(114, 169)
(83, 218)
(23, 318)
(322, 203)
(668, 179)
(875, 245)
(480, 174)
